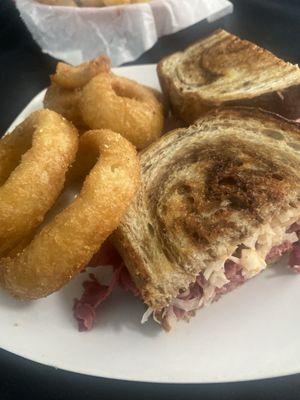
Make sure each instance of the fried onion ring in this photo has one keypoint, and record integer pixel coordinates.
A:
(66, 244)
(64, 102)
(123, 105)
(64, 92)
(69, 77)
(34, 159)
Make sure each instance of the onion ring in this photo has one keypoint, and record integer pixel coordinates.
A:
(34, 159)
(66, 244)
(64, 102)
(69, 77)
(64, 92)
(126, 107)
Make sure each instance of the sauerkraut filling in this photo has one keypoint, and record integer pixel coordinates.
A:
(249, 259)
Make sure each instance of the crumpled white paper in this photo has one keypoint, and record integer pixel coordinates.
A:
(75, 34)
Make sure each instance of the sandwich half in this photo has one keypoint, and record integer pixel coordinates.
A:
(219, 202)
(223, 70)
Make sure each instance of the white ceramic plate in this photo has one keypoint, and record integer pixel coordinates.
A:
(250, 333)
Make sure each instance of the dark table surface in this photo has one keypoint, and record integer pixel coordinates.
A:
(24, 71)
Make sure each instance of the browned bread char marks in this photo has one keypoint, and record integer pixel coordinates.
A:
(204, 190)
(245, 184)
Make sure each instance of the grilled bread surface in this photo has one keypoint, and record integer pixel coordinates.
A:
(206, 189)
(222, 69)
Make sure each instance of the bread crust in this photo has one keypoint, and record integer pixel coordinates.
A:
(205, 189)
(188, 104)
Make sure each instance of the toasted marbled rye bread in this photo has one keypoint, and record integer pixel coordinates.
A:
(231, 179)
(223, 69)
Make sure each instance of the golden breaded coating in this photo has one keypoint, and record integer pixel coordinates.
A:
(34, 159)
(65, 102)
(64, 92)
(65, 245)
(71, 77)
(123, 105)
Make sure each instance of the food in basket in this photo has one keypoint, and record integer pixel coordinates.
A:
(90, 3)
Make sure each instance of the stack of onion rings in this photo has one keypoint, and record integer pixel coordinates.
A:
(94, 98)
(66, 244)
(64, 92)
(34, 159)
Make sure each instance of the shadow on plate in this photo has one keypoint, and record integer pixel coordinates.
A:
(6, 300)
(121, 310)
(281, 268)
